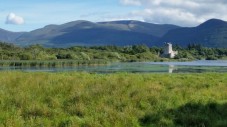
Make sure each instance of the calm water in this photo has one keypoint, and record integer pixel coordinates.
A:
(141, 67)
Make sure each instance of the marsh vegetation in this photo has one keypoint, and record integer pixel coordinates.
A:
(121, 99)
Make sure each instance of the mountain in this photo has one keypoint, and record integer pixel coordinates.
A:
(87, 33)
(8, 36)
(157, 30)
(212, 33)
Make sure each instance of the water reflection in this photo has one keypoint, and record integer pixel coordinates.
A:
(137, 67)
(171, 68)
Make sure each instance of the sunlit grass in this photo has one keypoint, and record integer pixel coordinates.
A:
(122, 99)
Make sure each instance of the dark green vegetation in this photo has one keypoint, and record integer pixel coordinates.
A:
(196, 51)
(36, 55)
(121, 100)
(212, 33)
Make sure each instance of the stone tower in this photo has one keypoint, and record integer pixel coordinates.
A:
(168, 51)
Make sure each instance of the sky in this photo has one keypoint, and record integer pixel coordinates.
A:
(27, 15)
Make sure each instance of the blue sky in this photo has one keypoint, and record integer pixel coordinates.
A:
(38, 13)
(27, 15)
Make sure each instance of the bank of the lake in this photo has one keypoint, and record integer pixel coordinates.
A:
(120, 99)
(50, 63)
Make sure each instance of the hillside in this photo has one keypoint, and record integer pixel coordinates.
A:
(8, 36)
(87, 33)
(157, 30)
(212, 33)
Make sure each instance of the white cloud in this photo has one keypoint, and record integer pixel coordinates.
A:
(14, 19)
(179, 12)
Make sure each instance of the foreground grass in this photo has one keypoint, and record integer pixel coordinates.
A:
(127, 100)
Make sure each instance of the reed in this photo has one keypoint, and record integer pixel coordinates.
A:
(50, 63)
(118, 100)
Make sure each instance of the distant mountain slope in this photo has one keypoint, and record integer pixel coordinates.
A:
(102, 33)
(101, 36)
(8, 36)
(212, 33)
(157, 30)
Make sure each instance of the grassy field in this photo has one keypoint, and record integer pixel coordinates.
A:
(112, 100)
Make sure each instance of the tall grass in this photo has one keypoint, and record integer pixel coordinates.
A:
(121, 100)
(50, 63)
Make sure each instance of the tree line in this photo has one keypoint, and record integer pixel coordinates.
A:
(112, 53)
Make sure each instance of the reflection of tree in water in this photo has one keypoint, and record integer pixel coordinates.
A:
(190, 115)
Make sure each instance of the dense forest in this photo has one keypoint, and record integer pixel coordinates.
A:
(108, 53)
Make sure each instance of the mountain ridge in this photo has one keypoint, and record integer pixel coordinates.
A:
(8, 36)
(81, 32)
(211, 33)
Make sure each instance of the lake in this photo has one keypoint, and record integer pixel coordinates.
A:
(139, 67)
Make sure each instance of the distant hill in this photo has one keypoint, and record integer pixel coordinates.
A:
(212, 33)
(87, 33)
(157, 30)
(8, 36)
